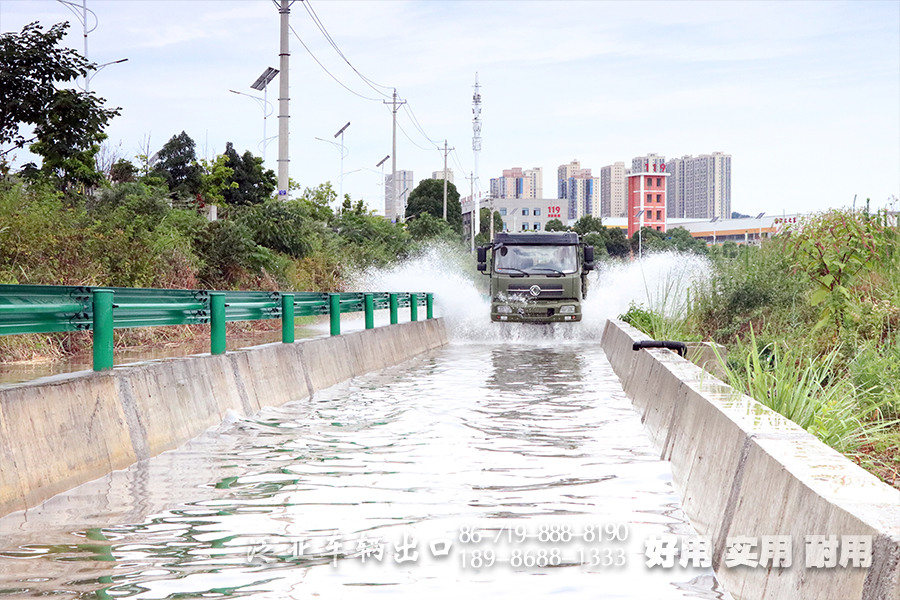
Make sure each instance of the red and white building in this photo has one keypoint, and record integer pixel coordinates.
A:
(647, 197)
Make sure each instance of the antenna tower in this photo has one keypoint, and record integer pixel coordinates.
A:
(476, 150)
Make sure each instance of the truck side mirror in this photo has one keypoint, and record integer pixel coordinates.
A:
(588, 258)
(482, 258)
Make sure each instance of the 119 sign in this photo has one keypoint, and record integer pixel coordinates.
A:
(554, 212)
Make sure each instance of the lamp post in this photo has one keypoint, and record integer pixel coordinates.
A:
(383, 186)
(640, 215)
(714, 219)
(267, 109)
(759, 236)
(341, 133)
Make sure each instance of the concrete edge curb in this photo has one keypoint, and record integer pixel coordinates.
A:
(743, 470)
(62, 431)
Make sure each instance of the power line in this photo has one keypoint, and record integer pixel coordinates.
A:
(297, 35)
(321, 26)
(415, 121)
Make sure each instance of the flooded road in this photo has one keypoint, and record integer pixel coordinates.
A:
(501, 470)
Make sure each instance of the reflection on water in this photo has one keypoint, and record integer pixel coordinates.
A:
(526, 464)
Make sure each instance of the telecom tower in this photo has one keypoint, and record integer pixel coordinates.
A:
(476, 150)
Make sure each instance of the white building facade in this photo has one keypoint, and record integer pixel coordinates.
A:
(395, 209)
(700, 188)
(613, 190)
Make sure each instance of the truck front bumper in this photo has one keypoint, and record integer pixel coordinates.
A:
(535, 312)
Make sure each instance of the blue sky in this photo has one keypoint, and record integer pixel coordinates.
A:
(805, 96)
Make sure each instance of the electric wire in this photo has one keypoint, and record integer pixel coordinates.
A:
(338, 81)
(372, 84)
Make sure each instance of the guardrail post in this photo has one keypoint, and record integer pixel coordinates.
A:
(217, 322)
(334, 309)
(287, 318)
(394, 304)
(429, 306)
(103, 329)
(413, 307)
(370, 311)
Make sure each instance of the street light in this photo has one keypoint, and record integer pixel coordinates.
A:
(758, 217)
(383, 185)
(267, 109)
(640, 215)
(341, 133)
(714, 219)
(261, 84)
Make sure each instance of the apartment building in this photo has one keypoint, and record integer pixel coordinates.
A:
(700, 187)
(613, 190)
(395, 209)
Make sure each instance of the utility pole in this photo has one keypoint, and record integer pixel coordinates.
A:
(446, 152)
(283, 100)
(471, 179)
(476, 147)
(395, 105)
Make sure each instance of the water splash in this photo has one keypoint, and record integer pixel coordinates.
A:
(659, 281)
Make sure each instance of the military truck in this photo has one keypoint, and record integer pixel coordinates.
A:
(536, 277)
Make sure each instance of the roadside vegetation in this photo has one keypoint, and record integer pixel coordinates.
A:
(85, 213)
(811, 323)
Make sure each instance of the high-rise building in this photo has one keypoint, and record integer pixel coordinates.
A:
(563, 174)
(584, 194)
(652, 163)
(579, 189)
(700, 188)
(395, 210)
(517, 183)
(613, 190)
(439, 175)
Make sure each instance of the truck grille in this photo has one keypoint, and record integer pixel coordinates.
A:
(548, 291)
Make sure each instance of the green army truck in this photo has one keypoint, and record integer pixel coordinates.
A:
(538, 277)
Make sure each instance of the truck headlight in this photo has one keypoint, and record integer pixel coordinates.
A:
(504, 309)
(567, 310)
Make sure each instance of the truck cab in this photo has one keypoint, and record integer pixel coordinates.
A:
(538, 277)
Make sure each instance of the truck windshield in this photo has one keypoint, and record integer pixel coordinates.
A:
(536, 260)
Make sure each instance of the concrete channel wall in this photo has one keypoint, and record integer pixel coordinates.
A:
(743, 470)
(62, 431)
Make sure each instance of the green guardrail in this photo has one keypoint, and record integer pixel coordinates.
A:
(54, 308)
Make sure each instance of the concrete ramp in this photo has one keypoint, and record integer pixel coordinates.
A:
(62, 431)
(743, 470)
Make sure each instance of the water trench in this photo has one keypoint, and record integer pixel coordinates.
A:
(520, 457)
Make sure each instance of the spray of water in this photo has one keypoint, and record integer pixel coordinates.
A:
(658, 281)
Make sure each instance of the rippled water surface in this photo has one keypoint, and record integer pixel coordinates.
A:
(505, 470)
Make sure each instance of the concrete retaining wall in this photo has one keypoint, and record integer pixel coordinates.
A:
(62, 431)
(743, 470)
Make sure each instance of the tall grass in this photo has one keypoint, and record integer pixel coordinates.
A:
(810, 391)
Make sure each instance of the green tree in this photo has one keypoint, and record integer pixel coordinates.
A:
(177, 165)
(122, 171)
(427, 227)
(429, 197)
(555, 225)
(68, 124)
(617, 244)
(483, 236)
(588, 223)
(254, 183)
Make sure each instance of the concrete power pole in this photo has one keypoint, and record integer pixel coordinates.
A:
(283, 100)
(395, 105)
(472, 232)
(446, 152)
(476, 150)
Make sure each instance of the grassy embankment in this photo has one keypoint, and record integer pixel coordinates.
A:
(129, 235)
(811, 321)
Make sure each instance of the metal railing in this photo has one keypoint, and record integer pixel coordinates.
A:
(55, 308)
